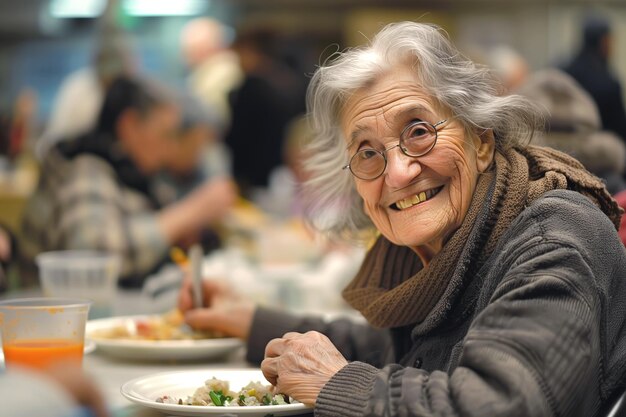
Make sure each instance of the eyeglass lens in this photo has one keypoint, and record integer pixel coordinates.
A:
(417, 139)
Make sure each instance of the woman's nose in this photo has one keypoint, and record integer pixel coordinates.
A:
(401, 169)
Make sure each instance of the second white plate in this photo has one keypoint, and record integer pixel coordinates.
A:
(158, 349)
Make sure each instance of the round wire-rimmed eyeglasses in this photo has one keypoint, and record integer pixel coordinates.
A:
(417, 139)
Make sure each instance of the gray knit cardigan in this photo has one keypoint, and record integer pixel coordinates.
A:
(539, 330)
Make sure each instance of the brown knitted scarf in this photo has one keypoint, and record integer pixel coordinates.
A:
(392, 289)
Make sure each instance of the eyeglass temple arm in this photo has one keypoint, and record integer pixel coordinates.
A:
(440, 122)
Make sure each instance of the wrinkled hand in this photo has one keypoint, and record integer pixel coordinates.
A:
(79, 386)
(299, 365)
(224, 310)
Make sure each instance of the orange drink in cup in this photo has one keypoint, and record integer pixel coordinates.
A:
(40, 332)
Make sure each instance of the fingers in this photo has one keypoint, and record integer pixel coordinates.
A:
(275, 347)
(269, 367)
(299, 364)
(232, 319)
(279, 346)
(273, 351)
(204, 318)
(211, 289)
(214, 287)
(223, 311)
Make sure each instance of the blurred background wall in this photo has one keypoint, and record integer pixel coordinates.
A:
(41, 41)
(46, 45)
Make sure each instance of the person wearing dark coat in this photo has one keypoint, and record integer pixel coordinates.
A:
(261, 108)
(590, 67)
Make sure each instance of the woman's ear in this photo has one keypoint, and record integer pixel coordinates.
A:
(485, 144)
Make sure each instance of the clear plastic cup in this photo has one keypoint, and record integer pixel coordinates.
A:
(82, 274)
(40, 332)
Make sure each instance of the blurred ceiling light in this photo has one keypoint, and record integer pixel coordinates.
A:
(76, 8)
(94, 8)
(165, 7)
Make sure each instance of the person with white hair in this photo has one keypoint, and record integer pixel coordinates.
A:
(214, 68)
(495, 284)
(509, 65)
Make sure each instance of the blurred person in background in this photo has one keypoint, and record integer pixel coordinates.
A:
(18, 127)
(573, 126)
(200, 154)
(95, 191)
(485, 292)
(8, 255)
(283, 196)
(509, 66)
(214, 68)
(79, 98)
(24, 125)
(262, 107)
(591, 69)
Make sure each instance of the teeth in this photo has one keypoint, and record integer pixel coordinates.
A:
(415, 199)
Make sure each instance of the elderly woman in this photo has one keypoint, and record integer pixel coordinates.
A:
(496, 284)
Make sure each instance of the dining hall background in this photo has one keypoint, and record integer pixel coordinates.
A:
(239, 69)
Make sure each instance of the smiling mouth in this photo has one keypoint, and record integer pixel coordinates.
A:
(416, 199)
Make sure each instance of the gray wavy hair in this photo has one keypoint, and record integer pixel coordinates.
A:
(332, 204)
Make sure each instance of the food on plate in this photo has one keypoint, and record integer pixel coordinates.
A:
(216, 393)
(168, 326)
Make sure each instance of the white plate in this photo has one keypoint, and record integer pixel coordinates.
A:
(145, 390)
(158, 349)
(89, 347)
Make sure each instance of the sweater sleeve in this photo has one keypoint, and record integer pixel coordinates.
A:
(524, 355)
(355, 341)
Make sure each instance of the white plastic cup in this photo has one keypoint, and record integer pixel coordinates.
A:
(81, 273)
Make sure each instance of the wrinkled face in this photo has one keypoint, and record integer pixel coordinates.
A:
(417, 202)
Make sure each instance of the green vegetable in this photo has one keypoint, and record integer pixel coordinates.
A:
(215, 397)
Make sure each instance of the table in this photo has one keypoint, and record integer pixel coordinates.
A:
(111, 373)
(304, 288)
